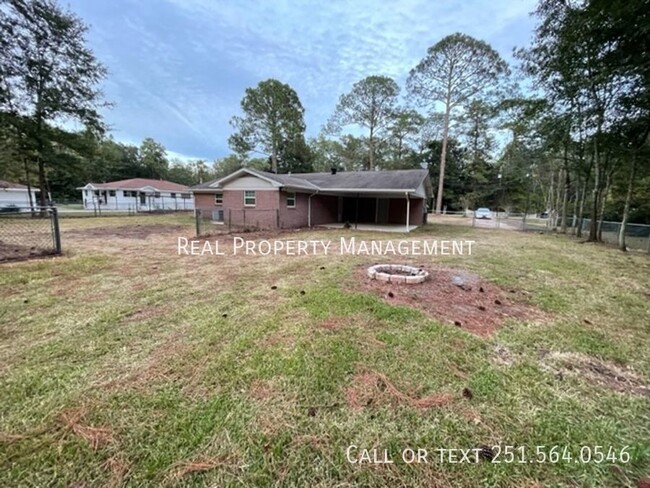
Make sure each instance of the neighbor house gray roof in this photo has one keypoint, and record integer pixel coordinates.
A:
(347, 181)
(11, 186)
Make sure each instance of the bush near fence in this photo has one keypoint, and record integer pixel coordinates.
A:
(29, 232)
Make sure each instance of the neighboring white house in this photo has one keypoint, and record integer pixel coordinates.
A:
(16, 195)
(138, 195)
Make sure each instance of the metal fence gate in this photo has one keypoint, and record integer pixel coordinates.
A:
(28, 232)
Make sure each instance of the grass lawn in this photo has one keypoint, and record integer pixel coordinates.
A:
(122, 363)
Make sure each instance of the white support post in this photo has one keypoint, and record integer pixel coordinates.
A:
(408, 211)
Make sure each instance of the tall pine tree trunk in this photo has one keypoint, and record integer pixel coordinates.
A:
(626, 210)
(576, 199)
(549, 202)
(28, 180)
(565, 194)
(593, 227)
(603, 202)
(371, 144)
(443, 158)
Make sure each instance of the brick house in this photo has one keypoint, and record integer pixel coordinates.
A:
(251, 198)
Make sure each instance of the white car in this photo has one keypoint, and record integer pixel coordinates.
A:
(482, 213)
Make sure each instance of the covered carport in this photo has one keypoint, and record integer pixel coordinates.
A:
(387, 210)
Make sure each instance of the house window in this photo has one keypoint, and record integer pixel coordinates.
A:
(185, 195)
(291, 200)
(173, 195)
(156, 194)
(111, 193)
(218, 198)
(249, 199)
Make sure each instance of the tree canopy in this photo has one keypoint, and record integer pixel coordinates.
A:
(273, 119)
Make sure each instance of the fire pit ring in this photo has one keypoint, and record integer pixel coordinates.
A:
(397, 273)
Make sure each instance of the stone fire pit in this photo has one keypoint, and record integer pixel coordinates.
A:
(397, 273)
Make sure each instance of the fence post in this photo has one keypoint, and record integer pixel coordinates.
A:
(277, 217)
(197, 214)
(55, 228)
(229, 219)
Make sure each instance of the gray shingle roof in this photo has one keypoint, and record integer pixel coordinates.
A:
(403, 179)
(395, 180)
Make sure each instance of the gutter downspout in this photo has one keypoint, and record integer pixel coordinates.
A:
(309, 208)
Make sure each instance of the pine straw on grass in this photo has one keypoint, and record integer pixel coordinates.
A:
(96, 437)
(199, 465)
(372, 388)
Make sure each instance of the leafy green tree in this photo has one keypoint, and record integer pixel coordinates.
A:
(183, 173)
(326, 153)
(372, 103)
(457, 185)
(227, 164)
(404, 129)
(454, 72)
(46, 71)
(585, 66)
(273, 118)
(153, 159)
(295, 156)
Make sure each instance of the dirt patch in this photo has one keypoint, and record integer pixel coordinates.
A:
(261, 390)
(370, 389)
(599, 372)
(279, 339)
(15, 252)
(148, 313)
(138, 231)
(333, 323)
(456, 297)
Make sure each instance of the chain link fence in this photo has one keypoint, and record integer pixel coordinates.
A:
(637, 236)
(211, 220)
(28, 232)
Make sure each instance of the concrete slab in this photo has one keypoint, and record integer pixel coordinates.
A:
(373, 227)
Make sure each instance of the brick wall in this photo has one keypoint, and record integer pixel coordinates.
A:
(294, 217)
(324, 209)
(263, 215)
(397, 211)
(204, 200)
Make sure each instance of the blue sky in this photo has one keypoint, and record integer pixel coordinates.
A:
(178, 68)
